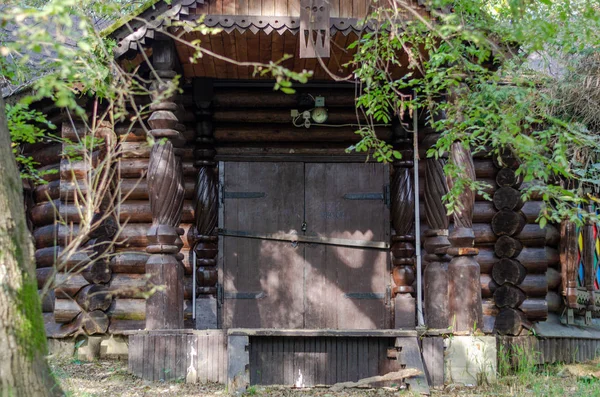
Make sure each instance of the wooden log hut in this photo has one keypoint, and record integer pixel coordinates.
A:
(269, 241)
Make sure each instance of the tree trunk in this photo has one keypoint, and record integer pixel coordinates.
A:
(23, 367)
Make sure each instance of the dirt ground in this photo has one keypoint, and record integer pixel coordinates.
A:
(110, 378)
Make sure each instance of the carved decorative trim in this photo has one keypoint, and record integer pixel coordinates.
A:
(206, 201)
(230, 23)
(314, 29)
(435, 188)
(403, 201)
(165, 185)
(461, 157)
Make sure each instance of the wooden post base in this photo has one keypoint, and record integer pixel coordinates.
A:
(404, 311)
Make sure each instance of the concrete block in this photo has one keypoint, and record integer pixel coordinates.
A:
(238, 364)
(88, 348)
(61, 347)
(114, 347)
(206, 313)
(470, 360)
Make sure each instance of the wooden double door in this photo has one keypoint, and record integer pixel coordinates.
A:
(336, 276)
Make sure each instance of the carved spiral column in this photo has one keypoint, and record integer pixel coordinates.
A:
(403, 243)
(202, 236)
(436, 241)
(164, 308)
(464, 290)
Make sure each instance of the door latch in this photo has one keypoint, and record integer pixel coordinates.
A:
(304, 227)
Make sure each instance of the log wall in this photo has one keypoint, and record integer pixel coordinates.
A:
(107, 297)
(519, 262)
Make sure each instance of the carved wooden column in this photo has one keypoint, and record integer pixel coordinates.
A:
(589, 246)
(403, 243)
(464, 289)
(202, 236)
(436, 241)
(164, 308)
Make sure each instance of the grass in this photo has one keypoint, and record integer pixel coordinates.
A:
(519, 376)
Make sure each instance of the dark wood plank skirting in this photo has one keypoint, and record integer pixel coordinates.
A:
(380, 333)
(191, 355)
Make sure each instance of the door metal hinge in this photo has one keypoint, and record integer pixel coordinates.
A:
(220, 294)
(387, 195)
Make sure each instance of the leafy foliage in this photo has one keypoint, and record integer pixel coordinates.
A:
(28, 126)
(507, 76)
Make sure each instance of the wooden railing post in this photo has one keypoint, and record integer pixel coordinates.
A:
(403, 243)
(164, 308)
(202, 236)
(464, 289)
(436, 241)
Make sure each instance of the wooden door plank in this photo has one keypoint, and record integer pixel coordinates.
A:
(338, 274)
(207, 61)
(342, 359)
(230, 51)
(241, 7)
(363, 358)
(215, 7)
(289, 48)
(373, 357)
(271, 268)
(265, 47)
(298, 359)
(331, 361)
(229, 7)
(334, 8)
(353, 359)
(281, 8)
(255, 361)
(268, 8)
(223, 68)
(173, 358)
(241, 50)
(294, 8)
(148, 356)
(338, 48)
(359, 8)
(345, 9)
(348, 55)
(254, 7)
(288, 361)
(277, 43)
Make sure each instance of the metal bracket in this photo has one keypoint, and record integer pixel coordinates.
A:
(364, 295)
(387, 195)
(243, 195)
(220, 295)
(244, 295)
(364, 196)
(570, 317)
(314, 29)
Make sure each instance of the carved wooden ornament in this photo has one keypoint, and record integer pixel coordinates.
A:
(314, 29)
(165, 185)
